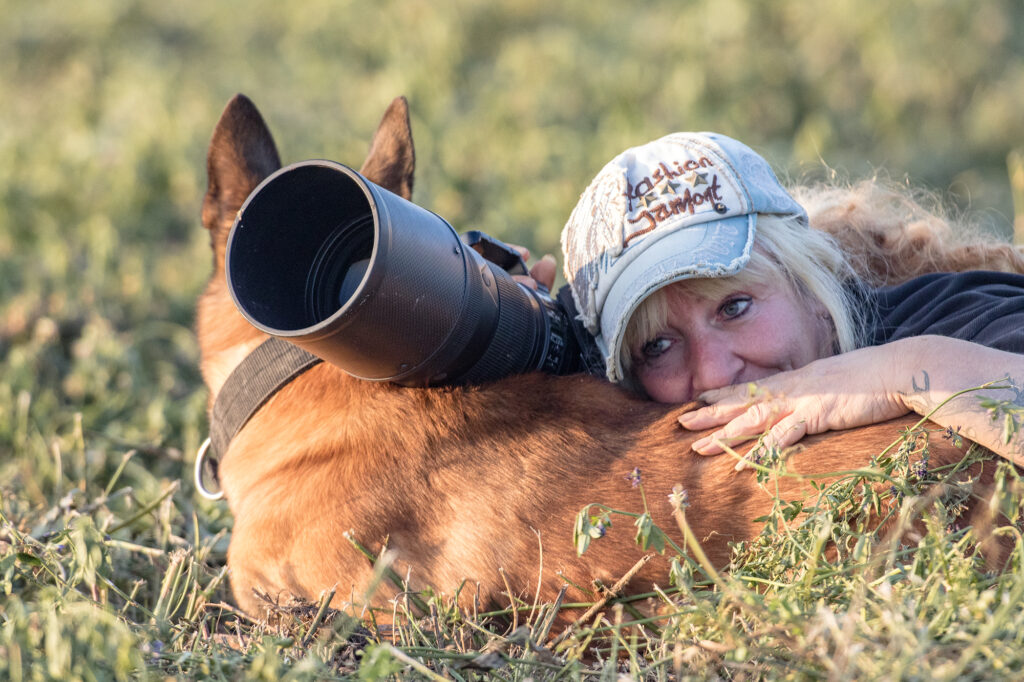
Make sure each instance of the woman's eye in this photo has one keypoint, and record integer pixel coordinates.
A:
(653, 349)
(734, 307)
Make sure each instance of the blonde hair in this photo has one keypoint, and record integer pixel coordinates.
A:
(891, 233)
(785, 253)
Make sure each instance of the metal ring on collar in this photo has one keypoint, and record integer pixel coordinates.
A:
(200, 486)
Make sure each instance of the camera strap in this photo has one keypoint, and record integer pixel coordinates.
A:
(590, 354)
(260, 375)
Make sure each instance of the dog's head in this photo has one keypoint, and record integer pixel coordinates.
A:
(241, 154)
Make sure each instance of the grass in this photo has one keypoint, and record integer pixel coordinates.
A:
(111, 567)
(110, 581)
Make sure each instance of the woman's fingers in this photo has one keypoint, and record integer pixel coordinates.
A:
(724, 404)
(709, 445)
(523, 252)
(838, 392)
(526, 281)
(543, 271)
(757, 419)
(712, 415)
(787, 432)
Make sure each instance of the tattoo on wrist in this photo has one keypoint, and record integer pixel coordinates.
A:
(927, 383)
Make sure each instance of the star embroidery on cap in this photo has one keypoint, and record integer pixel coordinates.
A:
(669, 187)
(697, 179)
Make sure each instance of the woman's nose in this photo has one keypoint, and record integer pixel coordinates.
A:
(714, 364)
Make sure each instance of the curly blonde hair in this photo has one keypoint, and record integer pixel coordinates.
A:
(891, 234)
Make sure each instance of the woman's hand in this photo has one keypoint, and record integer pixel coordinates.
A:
(542, 272)
(933, 376)
(838, 392)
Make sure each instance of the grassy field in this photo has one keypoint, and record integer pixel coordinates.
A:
(112, 567)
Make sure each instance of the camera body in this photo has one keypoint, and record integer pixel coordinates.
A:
(386, 290)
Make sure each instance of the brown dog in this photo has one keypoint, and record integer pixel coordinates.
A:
(457, 482)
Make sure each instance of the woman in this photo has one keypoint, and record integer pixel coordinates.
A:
(700, 277)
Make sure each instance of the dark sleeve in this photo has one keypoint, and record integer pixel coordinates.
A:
(979, 306)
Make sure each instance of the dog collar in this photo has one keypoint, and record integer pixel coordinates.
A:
(260, 375)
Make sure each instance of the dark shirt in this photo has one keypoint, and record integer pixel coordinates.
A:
(979, 306)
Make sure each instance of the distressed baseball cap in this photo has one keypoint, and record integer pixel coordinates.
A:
(683, 206)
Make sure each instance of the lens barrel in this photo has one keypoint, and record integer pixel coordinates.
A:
(324, 258)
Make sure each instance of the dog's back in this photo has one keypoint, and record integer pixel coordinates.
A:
(457, 483)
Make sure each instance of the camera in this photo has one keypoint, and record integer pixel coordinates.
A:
(386, 290)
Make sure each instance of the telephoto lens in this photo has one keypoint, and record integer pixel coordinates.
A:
(386, 290)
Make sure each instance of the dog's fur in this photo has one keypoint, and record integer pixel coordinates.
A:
(458, 482)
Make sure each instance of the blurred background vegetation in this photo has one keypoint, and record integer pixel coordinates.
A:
(106, 107)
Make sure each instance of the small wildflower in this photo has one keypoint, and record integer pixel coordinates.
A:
(679, 498)
(953, 436)
(920, 469)
(597, 530)
(634, 477)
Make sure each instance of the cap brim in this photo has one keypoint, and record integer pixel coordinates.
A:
(715, 249)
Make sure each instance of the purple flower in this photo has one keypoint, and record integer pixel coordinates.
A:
(679, 498)
(154, 648)
(634, 477)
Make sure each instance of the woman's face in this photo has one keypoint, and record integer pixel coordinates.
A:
(742, 335)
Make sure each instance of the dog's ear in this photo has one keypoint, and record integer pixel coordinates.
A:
(392, 160)
(241, 154)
